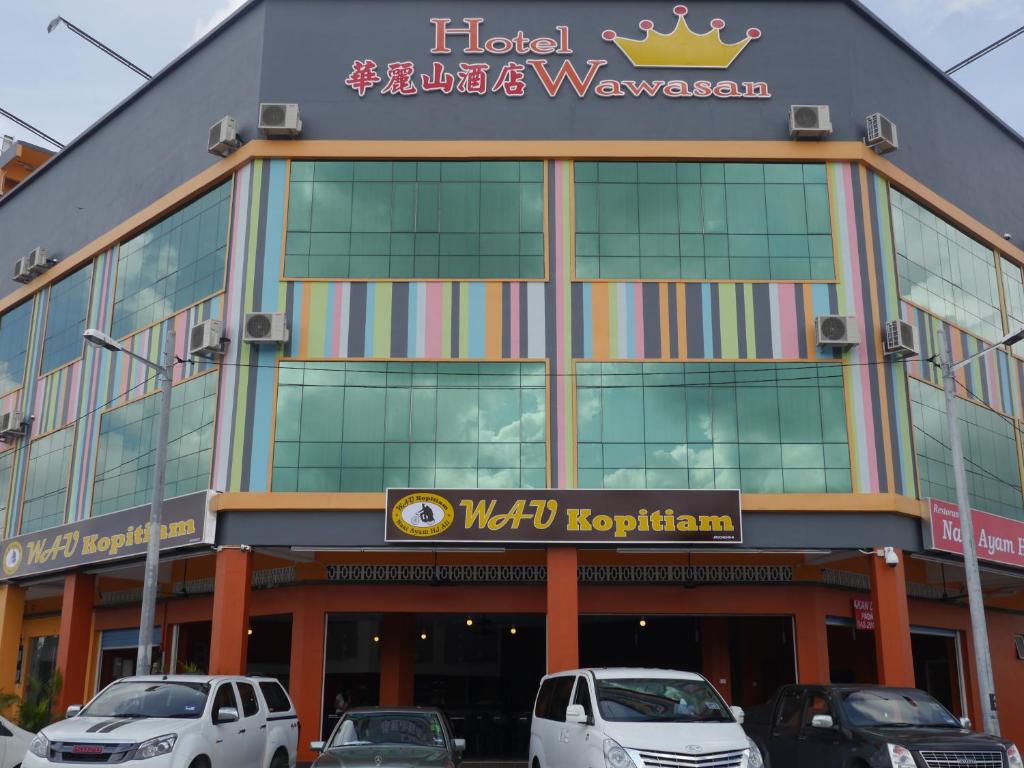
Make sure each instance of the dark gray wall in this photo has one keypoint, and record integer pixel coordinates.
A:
(813, 51)
(798, 530)
(153, 144)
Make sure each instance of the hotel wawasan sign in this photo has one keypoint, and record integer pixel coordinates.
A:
(520, 63)
(562, 516)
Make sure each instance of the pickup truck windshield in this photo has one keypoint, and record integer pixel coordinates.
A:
(136, 699)
(414, 729)
(636, 700)
(880, 708)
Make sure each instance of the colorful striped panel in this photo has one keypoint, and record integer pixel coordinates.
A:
(995, 380)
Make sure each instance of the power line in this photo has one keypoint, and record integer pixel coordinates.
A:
(985, 51)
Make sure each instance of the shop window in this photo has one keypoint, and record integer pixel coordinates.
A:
(66, 312)
(127, 447)
(703, 221)
(173, 264)
(1013, 294)
(945, 271)
(380, 220)
(14, 327)
(990, 453)
(47, 484)
(763, 428)
(361, 426)
(42, 663)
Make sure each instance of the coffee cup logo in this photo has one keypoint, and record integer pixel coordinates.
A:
(12, 558)
(423, 515)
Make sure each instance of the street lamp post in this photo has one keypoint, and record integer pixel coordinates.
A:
(93, 41)
(975, 599)
(144, 660)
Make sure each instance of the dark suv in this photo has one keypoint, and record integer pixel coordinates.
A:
(863, 726)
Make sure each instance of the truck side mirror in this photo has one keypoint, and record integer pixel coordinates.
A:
(316, 746)
(965, 723)
(575, 713)
(227, 715)
(459, 746)
(738, 713)
(822, 721)
(73, 710)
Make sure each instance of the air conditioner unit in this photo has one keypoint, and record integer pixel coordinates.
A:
(12, 424)
(836, 331)
(809, 121)
(882, 136)
(900, 339)
(206, 339)
(280, 120)
(21, 274)
(39, 261)
(265, 328)
(224, 137)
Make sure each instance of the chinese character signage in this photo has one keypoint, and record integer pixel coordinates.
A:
(581, 517)
(998, 539)
(516, 62)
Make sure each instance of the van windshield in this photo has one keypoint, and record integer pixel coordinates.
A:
(638, 700)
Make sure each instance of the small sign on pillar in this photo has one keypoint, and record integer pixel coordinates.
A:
(864, 614)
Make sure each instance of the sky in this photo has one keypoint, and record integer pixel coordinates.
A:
(62, 85)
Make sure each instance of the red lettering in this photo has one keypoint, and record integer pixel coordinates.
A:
(563, 41)
(498, 45)
(609, 88)
(756, 91)
(543, 46)
(522, 42)
(644, 87)
(566, 72)
(702, 89)
(441, 32)
(676, 89)
(727, 89)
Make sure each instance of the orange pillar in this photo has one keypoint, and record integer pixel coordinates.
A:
(892, 623)
(73, 643)
(397, 659)
(12, 610)
(811, 642)
(563, 609)
(229, 641)
(714, 646)
(306, 676)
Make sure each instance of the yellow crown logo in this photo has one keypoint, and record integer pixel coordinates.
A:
(682, 47)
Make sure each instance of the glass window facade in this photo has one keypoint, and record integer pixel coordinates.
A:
(740, 221)
(944, 271)
(14, 327)
(1013, 295)
(173, 264)
(359, 426)
(6, 471)
(127, 447)
(415, 220)
(66, 313)
(46, 488)
(763, 428)
(990, 453)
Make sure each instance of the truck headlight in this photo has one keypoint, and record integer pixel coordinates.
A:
(754, 759)
(1013, 756)
(615, 756)
(40, 746)
(900, 757)
(161, 745)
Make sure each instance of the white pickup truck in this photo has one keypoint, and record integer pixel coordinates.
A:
(176, 721)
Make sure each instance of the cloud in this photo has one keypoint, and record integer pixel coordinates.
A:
(205, 26)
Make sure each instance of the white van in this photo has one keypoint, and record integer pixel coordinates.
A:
(636, 718)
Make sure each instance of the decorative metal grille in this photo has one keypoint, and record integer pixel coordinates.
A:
(441, 574)
(862, 582)
(683, 574)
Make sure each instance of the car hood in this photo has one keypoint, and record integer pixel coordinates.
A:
(675, 737)
(382, 756)
(957, 739)
(106, 730)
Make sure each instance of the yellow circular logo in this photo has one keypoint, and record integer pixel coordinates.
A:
(423, 515)
(12, 558)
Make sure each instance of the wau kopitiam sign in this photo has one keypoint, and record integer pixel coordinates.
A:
(513, 63)
(563, 516)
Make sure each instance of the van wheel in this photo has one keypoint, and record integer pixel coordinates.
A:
(280, 759)
(200, 762)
